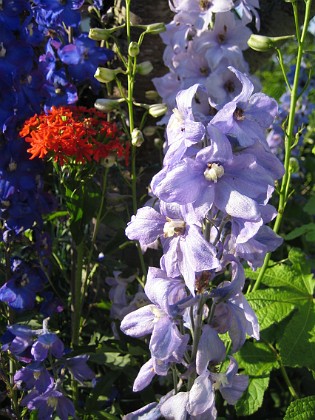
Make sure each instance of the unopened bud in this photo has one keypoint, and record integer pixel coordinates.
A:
(263, 43)
(99, 34)
(151, 95)
(157, 110)
(294, 165)
(156, 28)
(136, 137)
(105, 75)
(133, 49)
(109, 161)
(144, 68)
(149, 130)
(107, 105)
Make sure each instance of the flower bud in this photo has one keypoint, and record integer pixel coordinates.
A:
(133, 49)
(149, 130)
(107, 105)
(99, 34)
(156, 28)
(105, 75)
(144, 68)
(263, 43)
(294, 165)
(136, 137)
(157, 110)
(151, 95)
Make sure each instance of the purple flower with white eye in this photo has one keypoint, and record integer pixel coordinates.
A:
(216, 177)
(156, 318)
(185, 249)
(46, 344)
(230, 384)
(49, 402)
(247, 116)
(36, 376)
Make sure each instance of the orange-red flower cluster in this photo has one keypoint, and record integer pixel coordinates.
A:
(74, 134)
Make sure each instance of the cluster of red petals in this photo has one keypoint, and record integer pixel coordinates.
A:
(74, 134)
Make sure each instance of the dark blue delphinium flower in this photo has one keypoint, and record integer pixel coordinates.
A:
(49, 402)
(79, 368)
(34, 375)
(82, 57)
(19, 292)
(53, 13)
(47, 344)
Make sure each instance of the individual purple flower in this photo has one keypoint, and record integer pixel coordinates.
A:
(247, 116)
(49, 402)
(18, 339)
(227, 40)
(210, 349)
(185, 249)
(36, 376)
(232, 312)
(230, 384)
(156, 318)
(117, 294)
(79, 368)
(19, 292)
(47, 344)
(216, 177)
(82, 58)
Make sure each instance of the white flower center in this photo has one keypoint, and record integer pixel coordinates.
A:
(173, 227)
(2, 50)
(213, 172)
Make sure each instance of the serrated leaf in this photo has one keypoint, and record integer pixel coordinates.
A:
(271, 305)
(302, 409)
(281, 275)
(297, 346)
(252, 398)
(256, 358)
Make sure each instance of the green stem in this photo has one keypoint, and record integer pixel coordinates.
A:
(131, 71)
(76, 294)
(289, 134)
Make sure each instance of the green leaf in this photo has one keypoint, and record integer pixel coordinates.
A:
(302, 409)
(256, 358)
(299, 231)
(309, 207)
(291, 277)
(252, 398)
(271, 305)
(297, 346)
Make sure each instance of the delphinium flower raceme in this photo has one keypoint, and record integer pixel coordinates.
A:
(202, 40)
(210, 217)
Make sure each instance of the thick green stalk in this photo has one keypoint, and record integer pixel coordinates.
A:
(289, 133)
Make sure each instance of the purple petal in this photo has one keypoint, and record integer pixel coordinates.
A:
(139, 322)
(210, 349)
(201, 396)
